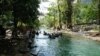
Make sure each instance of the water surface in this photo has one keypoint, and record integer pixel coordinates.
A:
(66, 46)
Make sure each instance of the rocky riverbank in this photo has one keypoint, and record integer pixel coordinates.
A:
(94, 35)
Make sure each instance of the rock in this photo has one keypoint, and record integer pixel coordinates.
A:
(37, 33)
(34, 54)
(75, 29)
(96, 34)
(54, 35)
(23, 51)
(45, 33)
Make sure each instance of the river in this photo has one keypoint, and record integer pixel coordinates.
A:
(65, 46)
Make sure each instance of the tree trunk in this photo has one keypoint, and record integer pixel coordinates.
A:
(15, 20)
(15, 28)
(54, 21)
(60, 26)
(99, 14)
(69, 14)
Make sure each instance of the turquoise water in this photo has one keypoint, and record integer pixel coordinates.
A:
(66, 46)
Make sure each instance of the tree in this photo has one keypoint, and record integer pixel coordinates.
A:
(5, 8)
(51, 19)
(85, 12)
(58, 2)
(69, 14)
(25, 11)
(99, 12)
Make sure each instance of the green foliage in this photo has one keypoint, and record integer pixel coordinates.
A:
(85, 13)
(56, 15)
(5, 11)
(24, 11)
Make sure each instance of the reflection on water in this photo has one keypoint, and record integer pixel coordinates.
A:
(66, 46)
